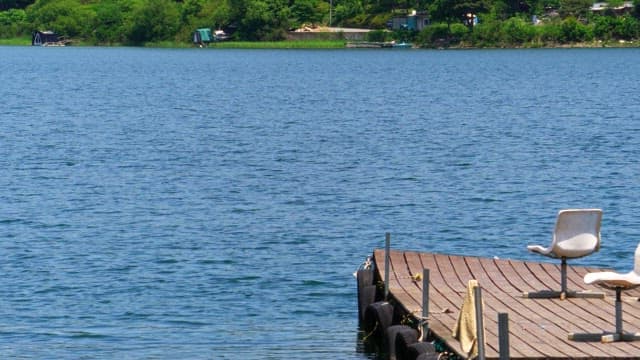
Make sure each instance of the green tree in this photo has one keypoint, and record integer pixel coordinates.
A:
(505, 9)
(306, 11)
(603, 27)
(574, 8)
(488, 32)
(450, 11)
(13, 22)
(109, 22)
(575, 31)
(625, 28)
(12, 16)
(443, 11)
(67, 17)
(346, 9)
(14, 4)
(216, 13)
(516, 31)
(153, 20)
(263, 19)
(431, 35)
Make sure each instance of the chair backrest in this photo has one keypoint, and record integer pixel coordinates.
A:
(636, 262)
(577, 232)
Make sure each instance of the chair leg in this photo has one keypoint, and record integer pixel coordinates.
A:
(563, 293)
(586, 336)
(543, 294)
(606, 337)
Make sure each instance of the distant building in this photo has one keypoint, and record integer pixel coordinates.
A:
(202, 36)
(599, 7)
(413, 21)
(47, 38)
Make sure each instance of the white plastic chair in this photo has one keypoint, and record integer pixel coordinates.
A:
(576, 234)
(617, 282)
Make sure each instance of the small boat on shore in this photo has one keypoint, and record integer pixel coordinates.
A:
(374, 44)
(402, 45)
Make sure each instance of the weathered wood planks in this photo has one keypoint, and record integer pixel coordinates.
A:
(538, 328)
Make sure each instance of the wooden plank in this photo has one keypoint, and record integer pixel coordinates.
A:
(403, 280)
(550, 331)
(571, 314)
(442, 300)
(538, 327)
(519, 341)
(585, 315)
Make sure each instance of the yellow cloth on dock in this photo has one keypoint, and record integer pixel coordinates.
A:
(465, 328)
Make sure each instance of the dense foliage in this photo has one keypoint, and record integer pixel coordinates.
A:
(501, 22)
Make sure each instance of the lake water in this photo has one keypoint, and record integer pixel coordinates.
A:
(213, 204)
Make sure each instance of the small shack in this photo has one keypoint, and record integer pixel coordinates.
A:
(47, 38)
(202, 36)
(413, 22)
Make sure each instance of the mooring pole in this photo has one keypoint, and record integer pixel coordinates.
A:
(387, 251)
(503, 336)
(425, 303)
(479, 324)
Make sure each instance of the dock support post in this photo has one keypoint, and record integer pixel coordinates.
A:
(479, 323)
(503, 336)
(425, 303)
(387, 251)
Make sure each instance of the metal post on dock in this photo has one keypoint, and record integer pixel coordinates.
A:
(479, 323)
(425, 303)
(503, 336)
(619, 312)
(563, 277)
(387, 254)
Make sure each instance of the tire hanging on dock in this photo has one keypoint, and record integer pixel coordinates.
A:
(377, 318)
(414, 351)
(393, 334)
(366, 297)
(425, 356)
(366, 290)
(405, 338)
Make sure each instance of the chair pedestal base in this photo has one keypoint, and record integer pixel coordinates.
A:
(550, 294)
(605, 337)
(564, 292)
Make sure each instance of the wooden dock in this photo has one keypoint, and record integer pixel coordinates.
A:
(538, 328)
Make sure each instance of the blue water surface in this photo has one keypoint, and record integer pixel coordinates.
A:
(213, 204)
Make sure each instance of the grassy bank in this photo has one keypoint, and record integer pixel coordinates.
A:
(289, 44)
(297, 44)
(19, 41)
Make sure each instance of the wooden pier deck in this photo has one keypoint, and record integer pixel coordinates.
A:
(538, 328)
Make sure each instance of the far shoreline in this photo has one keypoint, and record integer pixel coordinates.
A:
(325, 44)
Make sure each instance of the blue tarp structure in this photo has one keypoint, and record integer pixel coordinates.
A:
(202, 36)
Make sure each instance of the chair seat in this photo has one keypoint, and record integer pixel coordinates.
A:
(557, 252)
(613, 280)
(548, 251)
